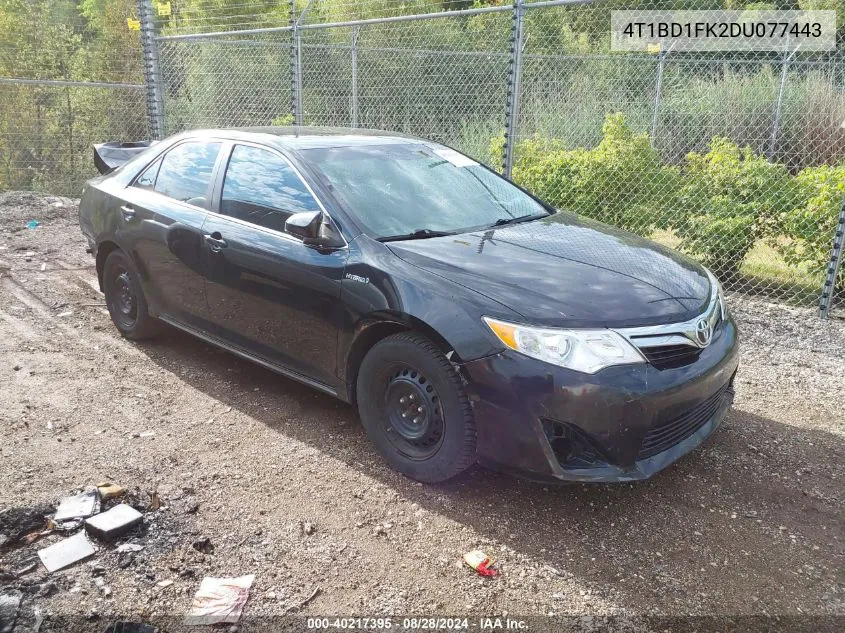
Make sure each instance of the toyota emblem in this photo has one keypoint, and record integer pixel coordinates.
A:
(703, 332)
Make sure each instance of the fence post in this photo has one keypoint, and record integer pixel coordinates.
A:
(658, 92)
(295, 67)
(354, 54)
(152, 73)
(829, 287)
(514, 76)
(773, 141)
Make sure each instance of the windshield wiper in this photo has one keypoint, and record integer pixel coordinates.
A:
(521, 218)
(419, 234)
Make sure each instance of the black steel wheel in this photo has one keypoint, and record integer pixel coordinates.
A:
(414, 409)
(413, 415)
(125, 298)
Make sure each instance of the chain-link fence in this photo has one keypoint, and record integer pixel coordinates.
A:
(736, 158)
(69, 77)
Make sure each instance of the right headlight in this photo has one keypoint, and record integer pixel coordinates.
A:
(586, 351)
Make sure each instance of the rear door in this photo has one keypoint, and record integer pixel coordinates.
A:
(267, 291)
(168, 204)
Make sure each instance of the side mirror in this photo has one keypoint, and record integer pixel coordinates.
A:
(314, 229)
(305, 225)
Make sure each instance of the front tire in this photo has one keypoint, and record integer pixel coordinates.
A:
(414, 408)
(125, 300)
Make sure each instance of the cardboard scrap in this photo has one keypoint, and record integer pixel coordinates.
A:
(219, 600)
(109, 490)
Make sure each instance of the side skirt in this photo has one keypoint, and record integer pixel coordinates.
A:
(239, 351)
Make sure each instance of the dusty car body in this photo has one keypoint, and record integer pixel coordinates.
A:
(556, 347)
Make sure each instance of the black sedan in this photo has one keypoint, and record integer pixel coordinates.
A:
(467, 320)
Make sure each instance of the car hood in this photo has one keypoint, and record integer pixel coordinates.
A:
(568, 271)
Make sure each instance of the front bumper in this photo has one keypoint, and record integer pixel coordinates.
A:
(621, 424)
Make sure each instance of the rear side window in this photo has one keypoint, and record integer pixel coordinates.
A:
(147, 180)
(261, 188)
(185, 172)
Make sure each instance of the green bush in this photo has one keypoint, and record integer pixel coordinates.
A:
(719, 202)
(730, 199)
(809, 227)
(620, 182)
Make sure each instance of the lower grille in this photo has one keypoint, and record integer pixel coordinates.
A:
(671, 356)
(572, 448)
(664, 436)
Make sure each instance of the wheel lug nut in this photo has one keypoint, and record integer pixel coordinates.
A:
(404, 415)
(417, 420)
(403, 400)
(412, 397)
(420, 409)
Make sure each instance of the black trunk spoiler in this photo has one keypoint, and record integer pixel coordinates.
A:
(110, 156)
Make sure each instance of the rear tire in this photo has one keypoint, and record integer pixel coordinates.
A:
(125, 300)
(414, 408)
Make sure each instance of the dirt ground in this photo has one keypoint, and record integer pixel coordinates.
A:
(284, 484)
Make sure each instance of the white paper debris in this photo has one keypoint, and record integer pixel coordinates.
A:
(219, 600)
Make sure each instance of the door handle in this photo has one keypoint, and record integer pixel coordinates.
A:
(127, 212)
(215, 242)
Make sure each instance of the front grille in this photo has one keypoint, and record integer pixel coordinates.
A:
(671, 356)
(665, 435)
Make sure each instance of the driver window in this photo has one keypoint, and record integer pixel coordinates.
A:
(261, 188)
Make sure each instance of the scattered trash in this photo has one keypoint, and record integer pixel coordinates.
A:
(33, 224)
(30, 538)
(109, 490)
(219, 600)
(114, 522)
(123, 626)
(66, 313)
(129, 547)
(165, 583)
(67, 552)
(155, 501)
(307, 528)
(481, 563)
(137, 434)
(3, 539)
(204, 545)
(9, 605)
(73, 510)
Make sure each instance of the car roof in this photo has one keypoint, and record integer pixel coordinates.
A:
(299, 138)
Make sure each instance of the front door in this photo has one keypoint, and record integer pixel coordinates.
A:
(268, 292)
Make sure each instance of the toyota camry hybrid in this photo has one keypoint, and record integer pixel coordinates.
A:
(467, 320)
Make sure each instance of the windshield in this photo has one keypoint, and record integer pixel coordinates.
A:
(399, 189)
